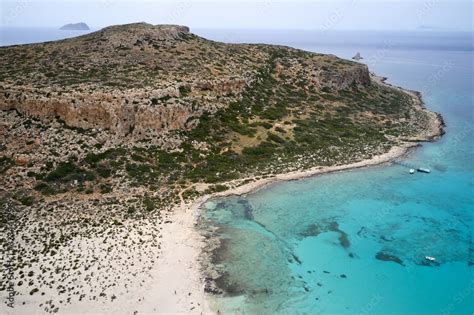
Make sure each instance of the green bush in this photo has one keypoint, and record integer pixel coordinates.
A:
(62, 170)
(105, 188)
(273, 137)
(5, 164)
(44, 188)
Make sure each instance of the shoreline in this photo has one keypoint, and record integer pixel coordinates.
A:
(190, 213)
(175, 281)
(435, 132)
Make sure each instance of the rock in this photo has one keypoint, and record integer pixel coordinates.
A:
(22, 160)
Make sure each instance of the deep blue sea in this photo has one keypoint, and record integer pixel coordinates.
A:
(355, 242)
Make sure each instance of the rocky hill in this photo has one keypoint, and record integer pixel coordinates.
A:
(213, 111)
(143, 80)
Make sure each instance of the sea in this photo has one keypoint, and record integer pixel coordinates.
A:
(355, 242)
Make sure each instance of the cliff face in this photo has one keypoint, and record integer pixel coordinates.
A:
(102, 111)
(141, 80)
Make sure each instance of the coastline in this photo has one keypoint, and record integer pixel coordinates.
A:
(435, 132)
(186, 216)
(175, 282)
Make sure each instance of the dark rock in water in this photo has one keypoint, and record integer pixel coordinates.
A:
(471, 263)
(383, 237)
(351, 255)
(263, 291)
(227, 286)
(343, 238)
(298, 261)
(219, 254)
(326, 271)
(221, 205)
(388, 257)
(319, 284)
(75, 27)
(343, 276)
(248, 210)
(333, 226)
(363, 230)
(311, 230)
(242, 201)
(210, 287)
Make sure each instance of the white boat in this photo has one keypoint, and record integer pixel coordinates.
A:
(430, 258)
(424, 170)
(412, 171)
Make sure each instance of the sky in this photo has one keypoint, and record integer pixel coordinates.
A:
(246, 14)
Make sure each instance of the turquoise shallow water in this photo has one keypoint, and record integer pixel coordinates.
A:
(354, 242)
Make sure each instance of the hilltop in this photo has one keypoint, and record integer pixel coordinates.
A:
(104, 134)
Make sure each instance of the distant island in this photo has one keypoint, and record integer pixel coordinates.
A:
(75, 27)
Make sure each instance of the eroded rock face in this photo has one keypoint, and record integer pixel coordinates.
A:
(103, 111)
(342, 79)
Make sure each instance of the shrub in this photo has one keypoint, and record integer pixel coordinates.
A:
(44, 188)
(62, 170)
(105, 188)
(5, 164)
(184, 90)
(273, 137)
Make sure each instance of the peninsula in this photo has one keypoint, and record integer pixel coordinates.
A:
(109, 142)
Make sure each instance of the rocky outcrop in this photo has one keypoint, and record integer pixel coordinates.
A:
(141, 34)
(221, 87)
(342, 78)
